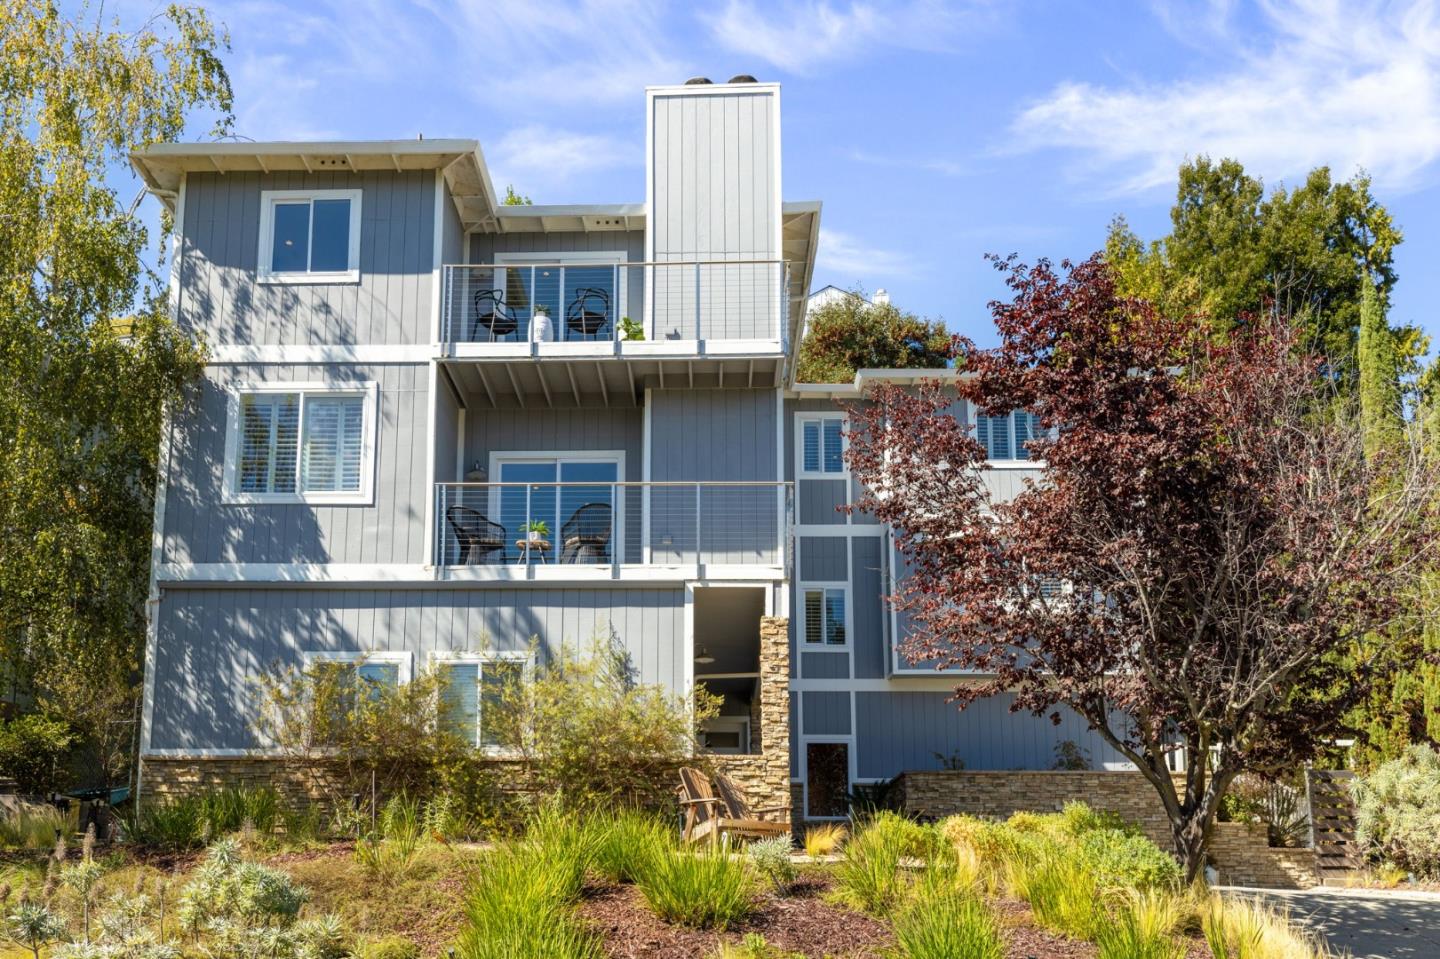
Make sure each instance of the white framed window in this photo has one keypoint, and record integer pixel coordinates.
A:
(825, 615)
(569, 492)
(380, 668)
(726, 735)
(821, 444)
(300, 443)
(475, 682)
(1004, 437)
(309, 236)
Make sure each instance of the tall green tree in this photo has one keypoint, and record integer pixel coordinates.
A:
(1234, 249)
(89, 356)
(850, 334)
(1382, 416)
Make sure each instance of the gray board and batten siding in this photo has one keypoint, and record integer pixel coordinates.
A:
(222, 296)
(214, 643)
(201, 528)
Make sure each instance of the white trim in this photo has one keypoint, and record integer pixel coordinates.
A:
(268, 200)
(736, 724)
(177, 246)
(839, 530)
(800, 471)
(499, 458)
(687, 641)
(440, 657)
(459, 444)
(801, 588)
(437, 307)
(401, 658)
(241, 354)
(180, 575)
(935, 681)
(646, 438)
(368, 391)
(615, 258)
(224, 753)
(431, 413)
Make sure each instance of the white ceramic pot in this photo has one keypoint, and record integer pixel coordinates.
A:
(533, 536)
(541, 329)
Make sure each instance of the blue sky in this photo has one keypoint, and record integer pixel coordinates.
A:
(933, 132)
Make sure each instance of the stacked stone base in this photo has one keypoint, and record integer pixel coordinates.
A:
(764, 776)
(1240, 852)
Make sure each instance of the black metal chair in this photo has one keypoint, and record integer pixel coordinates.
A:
(585, 537)
(588, 312)
(475, 536)
(492, 314)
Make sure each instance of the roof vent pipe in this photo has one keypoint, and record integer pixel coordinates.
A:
(697, 81)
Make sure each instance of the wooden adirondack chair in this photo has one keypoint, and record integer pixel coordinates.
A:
(718, 807)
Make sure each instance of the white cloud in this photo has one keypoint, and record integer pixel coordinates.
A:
(533, 157)
(561, 50)
(849, 259)
(1343, 83)
(801, 37)
(942, 165)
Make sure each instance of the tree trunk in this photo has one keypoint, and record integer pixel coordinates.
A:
(1190, 837)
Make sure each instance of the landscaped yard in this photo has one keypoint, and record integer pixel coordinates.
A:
(1072, 884)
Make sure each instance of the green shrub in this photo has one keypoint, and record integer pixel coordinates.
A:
(227, 810)
(704, 890)
(226, 887)
(627, 842)
(519, 907)
(34, 826)
(953, 926)
(754, 946)
(1120, 860)
(1141, 928)
(1062, 893)
(593, 738)
(1077, 819)
(32, 751)
(771, 859)
(1397, 811)
(171, 824)
(868, 878)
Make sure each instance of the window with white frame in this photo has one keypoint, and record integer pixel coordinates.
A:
(359, 676)
(822, 610)
(475, 686)
(310, 236)
(1004, 437)
(822, 445)
(300, 443)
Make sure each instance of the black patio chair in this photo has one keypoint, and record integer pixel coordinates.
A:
(492, 314)
(585, 537)
(475, 536)
(588, 311)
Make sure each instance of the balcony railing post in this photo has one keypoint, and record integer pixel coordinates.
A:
(697, 311)
(529, 493)
(697, 523)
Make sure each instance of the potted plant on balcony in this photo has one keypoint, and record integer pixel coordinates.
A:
(631, 329)
(541, 329)
(537, 530)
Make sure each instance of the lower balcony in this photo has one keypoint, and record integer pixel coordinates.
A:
(600, 530)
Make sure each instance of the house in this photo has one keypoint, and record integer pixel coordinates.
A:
(432, 428)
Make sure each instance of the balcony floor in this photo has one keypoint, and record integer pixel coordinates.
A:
(608, 378)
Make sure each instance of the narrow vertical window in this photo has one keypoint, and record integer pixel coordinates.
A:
(824, 611)
(822, 445)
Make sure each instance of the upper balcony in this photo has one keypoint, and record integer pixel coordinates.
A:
(578, 307)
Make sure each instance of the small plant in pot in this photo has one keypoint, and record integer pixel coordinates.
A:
(536, 530)
(631, 329)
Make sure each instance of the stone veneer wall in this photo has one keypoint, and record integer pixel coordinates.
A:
(764, 776)
(1240, 852)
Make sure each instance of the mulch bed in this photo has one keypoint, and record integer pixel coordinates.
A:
(802, 922)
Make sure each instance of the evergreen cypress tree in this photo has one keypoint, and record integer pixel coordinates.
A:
(1378, 374)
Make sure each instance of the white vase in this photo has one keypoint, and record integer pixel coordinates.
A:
(541, 329)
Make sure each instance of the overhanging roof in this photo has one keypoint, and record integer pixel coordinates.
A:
(163, 165)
